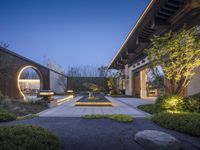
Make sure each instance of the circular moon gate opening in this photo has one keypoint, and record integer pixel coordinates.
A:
(29, 83)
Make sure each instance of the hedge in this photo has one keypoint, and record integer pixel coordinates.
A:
(185, 122)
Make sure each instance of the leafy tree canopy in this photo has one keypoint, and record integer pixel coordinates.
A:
(178, 54)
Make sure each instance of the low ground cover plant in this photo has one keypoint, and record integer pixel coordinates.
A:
(30, 116)
(93, 98)
(6, 116)
(149, 108)
(176, 113)
(170, 102)
(192, 104)
(20, 108)
(117, 117)
(173, 103)
(26, 137)
(185, 122)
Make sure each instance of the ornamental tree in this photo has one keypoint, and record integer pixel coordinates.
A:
(178, 54)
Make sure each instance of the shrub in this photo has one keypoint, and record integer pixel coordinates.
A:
(185, 122)
(117, 117)
(26, 137)
(5, 116)
(93, 98)
(171, 102)
(195, 96)
(149, 108)
(192, 105)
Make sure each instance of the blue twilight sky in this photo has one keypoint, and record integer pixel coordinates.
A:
(70, 32)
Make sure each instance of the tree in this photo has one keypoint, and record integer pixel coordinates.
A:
(178, 54)
(92, 88)
(4, 45)
(83, 71)
(103, 71)
(62, 80)
(112, 85)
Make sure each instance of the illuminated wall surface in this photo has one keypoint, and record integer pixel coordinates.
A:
(55, 83)
(29, 84)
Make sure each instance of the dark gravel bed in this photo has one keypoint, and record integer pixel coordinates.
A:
(102, 134)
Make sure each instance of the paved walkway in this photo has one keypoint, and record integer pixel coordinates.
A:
(120, 106)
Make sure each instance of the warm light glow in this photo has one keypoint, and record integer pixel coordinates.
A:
(46, 93)
(18, 80)
(61, 101)
(93, 104)
(29, 80)
(70, 91)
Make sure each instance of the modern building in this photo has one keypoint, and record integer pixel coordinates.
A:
(12, 84)
(159, 17)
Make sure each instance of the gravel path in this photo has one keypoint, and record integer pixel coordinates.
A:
(102, 134)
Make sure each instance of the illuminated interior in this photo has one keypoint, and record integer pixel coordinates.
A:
(29, 83)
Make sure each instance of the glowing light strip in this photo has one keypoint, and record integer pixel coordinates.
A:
(93, 103)
(46, 93)
(134, 28)
(61, 101)
(29, 80)
(18, 80)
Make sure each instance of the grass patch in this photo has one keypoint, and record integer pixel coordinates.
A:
(184, 122)
(117, 117)
(149, 108)
(26, 137)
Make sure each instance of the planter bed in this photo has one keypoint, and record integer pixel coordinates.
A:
(101, 101)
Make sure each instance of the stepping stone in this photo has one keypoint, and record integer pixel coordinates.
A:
(156, 140)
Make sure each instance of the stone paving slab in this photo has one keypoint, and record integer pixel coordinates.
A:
(119, 107)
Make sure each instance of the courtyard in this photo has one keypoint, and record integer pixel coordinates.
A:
(120, 106)
(61, 87)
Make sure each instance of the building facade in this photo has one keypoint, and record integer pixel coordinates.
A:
(11, 67)
(158, 18)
